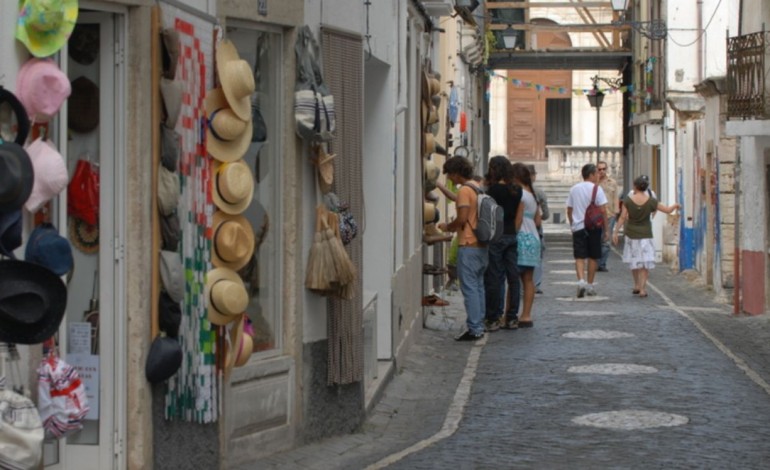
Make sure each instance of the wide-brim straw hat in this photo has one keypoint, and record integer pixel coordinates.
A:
(45, 25)
(227, 135)
(242, 343)
(236, 78)
(429, 213)
(431, 172)
(232, 186)
(434, 86)
(428, 143)
(225, 295)
(233, 241)
(326, 171)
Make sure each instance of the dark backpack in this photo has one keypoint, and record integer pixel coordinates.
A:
(594, 218)
(490, 224)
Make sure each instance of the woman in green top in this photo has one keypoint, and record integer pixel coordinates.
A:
(638, 251)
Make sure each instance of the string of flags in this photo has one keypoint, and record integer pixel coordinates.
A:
(562, 90)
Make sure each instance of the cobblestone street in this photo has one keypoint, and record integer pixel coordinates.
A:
(614, 381)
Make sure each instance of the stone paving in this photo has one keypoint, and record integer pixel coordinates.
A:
(614, 381)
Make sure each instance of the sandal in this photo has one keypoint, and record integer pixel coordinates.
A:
(642, 294)
(635, 291)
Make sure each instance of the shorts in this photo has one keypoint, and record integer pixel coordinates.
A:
(587, 244)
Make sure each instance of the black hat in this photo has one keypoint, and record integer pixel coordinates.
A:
(83, 44)
(22, 119)
(16, 176)
(10, 232)
(32, 302)
(163, 360)
(169, 314)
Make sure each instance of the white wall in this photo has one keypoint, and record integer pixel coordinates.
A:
(755, 12)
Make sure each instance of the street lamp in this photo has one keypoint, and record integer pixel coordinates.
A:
(510, 38)
(655, 29)
(595, 99)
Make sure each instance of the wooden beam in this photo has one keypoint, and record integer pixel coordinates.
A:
(561, 28)
(509, 5)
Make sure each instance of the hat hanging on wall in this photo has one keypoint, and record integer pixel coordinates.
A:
(232, 241)
(45, 25)
(17, 176)
(431, 172)
(32, 302)
(10, 232)
(233, 186)
(22, 120)
(168, 191)
(172, 274)
(170, 51)
(163, 360)
(170, 232)
(226, 295)
(83, 106)
(42, 88)
(50, 174)
(47, 248)
(227, 135)
(83, 236)
(83, 45)
(236, 78)
(171, 91)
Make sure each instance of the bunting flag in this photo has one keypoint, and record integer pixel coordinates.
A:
(561, 90)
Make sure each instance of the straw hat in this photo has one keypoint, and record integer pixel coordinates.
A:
(431, 172)
(325, 171)
(430, 213)
(434, 86)
(42, 88)
(227, 136)
(232, 186)
(242, 344)
(236, 78)
(428, 143)
(232, 242)
(45, 25)
(50, 174)
(225, 295)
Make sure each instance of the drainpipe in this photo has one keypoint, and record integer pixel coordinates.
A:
(699, 15)
(737, 255)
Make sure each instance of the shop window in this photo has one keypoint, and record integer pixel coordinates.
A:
(262, 50)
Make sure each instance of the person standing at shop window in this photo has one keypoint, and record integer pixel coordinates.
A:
(612, 209)
(472, 257)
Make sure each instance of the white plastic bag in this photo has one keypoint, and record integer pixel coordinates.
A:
(62, 397)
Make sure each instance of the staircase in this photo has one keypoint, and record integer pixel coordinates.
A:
(557, 192)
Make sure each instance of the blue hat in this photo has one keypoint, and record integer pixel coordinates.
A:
(47, 248)
(10, 232)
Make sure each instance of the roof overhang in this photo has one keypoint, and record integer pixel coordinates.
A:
(563, 60)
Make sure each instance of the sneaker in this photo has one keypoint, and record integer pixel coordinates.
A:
(492, 325)
(512, 324)
(581, 290)
(590, 291)
(603, 269)
(539, 291)
(468, 336)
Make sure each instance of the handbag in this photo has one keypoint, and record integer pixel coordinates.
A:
(347, 223)
(313, 104)
(61, 396)
(594, 218)
(21, 431)
(83, 193)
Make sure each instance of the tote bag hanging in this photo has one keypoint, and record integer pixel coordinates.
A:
(313, 104)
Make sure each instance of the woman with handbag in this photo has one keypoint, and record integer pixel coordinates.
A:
(638, 250)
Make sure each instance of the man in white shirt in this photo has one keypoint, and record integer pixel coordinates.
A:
(586, 244)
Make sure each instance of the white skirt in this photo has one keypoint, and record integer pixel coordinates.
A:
(639, 253)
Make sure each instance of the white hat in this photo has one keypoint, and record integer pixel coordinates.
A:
(50, 174)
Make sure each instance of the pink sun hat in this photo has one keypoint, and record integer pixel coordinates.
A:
(42, 88)
(50, 174)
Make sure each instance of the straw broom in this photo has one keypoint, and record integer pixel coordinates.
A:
(345, 267)
(315, 278)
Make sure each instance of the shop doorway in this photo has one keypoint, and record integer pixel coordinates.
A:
(91, 135)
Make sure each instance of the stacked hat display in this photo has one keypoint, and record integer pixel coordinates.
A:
(32, 295)
(228, 136)
(165, 356)
(431, 99)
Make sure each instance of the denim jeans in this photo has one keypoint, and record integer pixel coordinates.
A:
(606, 244)
(502, 267)
(471, 265)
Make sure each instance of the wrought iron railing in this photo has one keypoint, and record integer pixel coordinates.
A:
(746, 78)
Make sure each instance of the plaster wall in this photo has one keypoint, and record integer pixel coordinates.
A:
(755, 14)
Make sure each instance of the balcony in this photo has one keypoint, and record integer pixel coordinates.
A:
(747, 87)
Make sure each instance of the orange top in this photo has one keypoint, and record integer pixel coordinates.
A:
(466, 197)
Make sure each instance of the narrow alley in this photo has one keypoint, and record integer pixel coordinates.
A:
(614, 381)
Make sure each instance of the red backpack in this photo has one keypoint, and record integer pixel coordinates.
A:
(594, 218)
